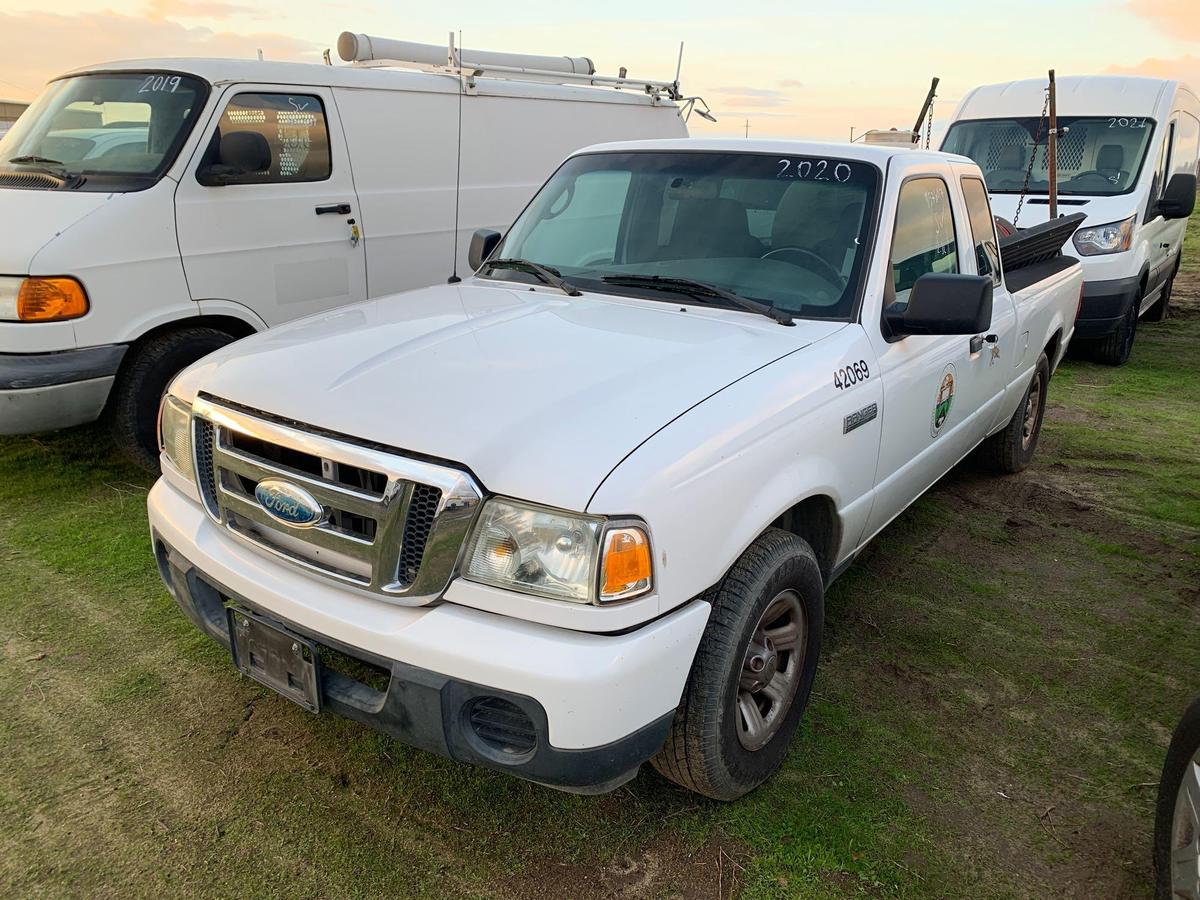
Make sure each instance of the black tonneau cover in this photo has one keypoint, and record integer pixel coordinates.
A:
(1039, 243)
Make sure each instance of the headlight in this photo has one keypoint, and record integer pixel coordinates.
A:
(175, 435)
(560, 555)
(41, 299)
(1114, 237)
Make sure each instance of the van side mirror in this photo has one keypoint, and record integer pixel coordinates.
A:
(483, 242)
(943, 304)
(1179, 199)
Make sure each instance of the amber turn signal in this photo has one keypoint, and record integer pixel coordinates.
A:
(627, 566)
(50, 300)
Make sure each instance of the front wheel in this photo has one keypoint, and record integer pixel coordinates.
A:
(1177, 815)
(1115, 349)
(753, 672)
(145, 375)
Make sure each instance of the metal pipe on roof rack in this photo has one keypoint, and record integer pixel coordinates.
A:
(364, 48)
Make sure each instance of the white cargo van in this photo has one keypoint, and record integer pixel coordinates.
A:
(156, 210)
(1127, 158)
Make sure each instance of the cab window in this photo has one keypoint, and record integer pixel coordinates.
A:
(268, 139)
(923, 240)
(983, 229)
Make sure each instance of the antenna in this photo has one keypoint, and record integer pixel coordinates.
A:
(747, 128)
(679, 64)
(452, 54)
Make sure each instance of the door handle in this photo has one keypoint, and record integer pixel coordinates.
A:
(338, 209)
(978, 341)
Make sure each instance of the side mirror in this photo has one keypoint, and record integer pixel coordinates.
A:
(1179, 199)
(483, 242)
(943, 304)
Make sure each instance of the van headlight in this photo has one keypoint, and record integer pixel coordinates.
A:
(559, 555)
(1115, 237)
(175, 435)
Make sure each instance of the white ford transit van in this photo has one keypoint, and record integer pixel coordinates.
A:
(1127, 158)
(155, 210)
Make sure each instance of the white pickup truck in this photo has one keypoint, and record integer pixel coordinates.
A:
(580, 511)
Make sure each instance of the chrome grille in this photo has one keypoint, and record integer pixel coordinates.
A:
(390, 524)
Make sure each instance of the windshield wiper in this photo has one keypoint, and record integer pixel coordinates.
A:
(545, 274)
(30, 160)
(701, 289)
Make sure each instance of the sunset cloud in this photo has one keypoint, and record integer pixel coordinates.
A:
(93, 37)
(1183, 68)
(1178, 18)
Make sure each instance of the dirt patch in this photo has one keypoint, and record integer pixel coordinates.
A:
(667, 867)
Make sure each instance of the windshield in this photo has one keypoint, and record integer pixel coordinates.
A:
(1098, 156)
(120, 130)
(790, 231)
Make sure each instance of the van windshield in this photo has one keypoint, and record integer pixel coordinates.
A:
(110, 132)
(1098, 156)
(789, 231)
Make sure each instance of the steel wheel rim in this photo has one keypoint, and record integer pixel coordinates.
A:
(1033, 403)
(1185, 833)
(770, 672)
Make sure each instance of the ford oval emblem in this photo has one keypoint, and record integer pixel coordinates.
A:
(289, 504)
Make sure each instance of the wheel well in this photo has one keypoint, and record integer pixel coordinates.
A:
(815, 519)
(234, 327)
(1052, 347)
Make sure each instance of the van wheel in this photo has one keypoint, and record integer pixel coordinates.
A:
(1161, 308)
(144, 377)
(753, 672)
(1177, 814)
(1011, 450)
(1114, 350)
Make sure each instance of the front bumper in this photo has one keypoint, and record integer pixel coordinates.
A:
(598, 705)
(47, 391)
(1105, 306)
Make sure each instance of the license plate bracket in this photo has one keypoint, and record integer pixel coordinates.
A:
(273, 656)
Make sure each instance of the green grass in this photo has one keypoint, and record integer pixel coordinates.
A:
(1191, 246)
(999, 678)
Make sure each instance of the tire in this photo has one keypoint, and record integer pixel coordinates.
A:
(1115, 349)
(1162, 306)
(1171, 836)
(142, 381)
(1011, 450)
(711, 749)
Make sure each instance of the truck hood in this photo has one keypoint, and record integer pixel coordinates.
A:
(37, 217)
(538, 394)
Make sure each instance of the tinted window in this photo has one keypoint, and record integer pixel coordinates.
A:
(924, 239)
(789, 231)
(983, 228)
(1097, 155)
(268, 138)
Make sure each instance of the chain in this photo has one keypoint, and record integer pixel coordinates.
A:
(1037, 140)
(929, 126)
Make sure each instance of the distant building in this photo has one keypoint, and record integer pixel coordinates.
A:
(9, 111)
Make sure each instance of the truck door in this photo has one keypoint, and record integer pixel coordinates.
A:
(268, 215)
(934, 386)
(995, 363)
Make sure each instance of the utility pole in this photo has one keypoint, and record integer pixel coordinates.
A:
(747, 129)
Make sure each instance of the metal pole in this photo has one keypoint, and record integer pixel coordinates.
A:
(852, 134)
(925, 110)
(1052, 152)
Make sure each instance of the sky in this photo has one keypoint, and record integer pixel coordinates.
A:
(784, 69)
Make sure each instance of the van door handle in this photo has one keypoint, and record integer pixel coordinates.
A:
(339, 209)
